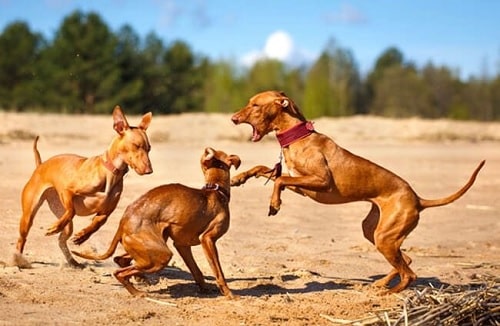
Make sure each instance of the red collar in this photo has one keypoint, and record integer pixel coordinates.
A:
(299, 131)
(108, 164)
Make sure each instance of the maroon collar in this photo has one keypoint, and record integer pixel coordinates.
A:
(108, 164)
(299, 131)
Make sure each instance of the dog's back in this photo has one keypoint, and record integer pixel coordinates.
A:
(177, 211)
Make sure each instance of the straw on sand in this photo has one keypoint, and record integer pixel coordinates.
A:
(472, 304)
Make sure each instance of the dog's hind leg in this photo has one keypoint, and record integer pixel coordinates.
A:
(124, 274)
(31, 200)
(150, 254)
(369, 225)
(123, 260)
(389, 234)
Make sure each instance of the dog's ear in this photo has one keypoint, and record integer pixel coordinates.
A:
(146, 120)
(209, 154)
(284, 102)
(233, 160)
(120, 123)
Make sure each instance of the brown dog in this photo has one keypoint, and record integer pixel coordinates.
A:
(327, 173)
(188, 216)
(75, 185)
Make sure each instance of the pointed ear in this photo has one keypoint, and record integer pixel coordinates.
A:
(287, 103)
(120, 123)
(146, 120)
(284, 102)
(209, 154)
(233, 160)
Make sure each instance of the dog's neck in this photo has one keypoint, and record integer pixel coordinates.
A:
(217, 179)
(110, 165)
(112, 161)
(294, 133)
(220, 189)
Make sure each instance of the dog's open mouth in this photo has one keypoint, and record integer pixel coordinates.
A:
(256, 135)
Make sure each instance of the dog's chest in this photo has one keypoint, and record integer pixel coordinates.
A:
(291, 167)
(93, 197)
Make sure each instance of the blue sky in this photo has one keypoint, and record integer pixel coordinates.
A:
(461, 34)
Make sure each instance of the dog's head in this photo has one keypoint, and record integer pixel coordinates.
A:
(263, 112)
(132, 143)
(212, 158)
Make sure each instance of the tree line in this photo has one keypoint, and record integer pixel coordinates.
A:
(87, 68)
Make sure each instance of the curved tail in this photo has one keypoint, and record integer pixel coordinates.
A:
(38, 159)
(426, 203)
(112, 247)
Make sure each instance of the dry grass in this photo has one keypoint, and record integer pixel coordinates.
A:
(473, 304)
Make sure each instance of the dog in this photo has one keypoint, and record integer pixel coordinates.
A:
(329, 174)
(186, 215)
(75, 185)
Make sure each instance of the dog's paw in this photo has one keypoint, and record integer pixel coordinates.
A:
(273, 211)
(231, 296)
(80, 238)
(54, 229)
(72, 263)
(237, 181)
(20, 261)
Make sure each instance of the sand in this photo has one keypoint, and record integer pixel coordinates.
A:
(308, 262)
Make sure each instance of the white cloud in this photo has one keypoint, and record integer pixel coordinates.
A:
(279, 45)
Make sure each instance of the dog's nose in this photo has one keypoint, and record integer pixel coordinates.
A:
(235, 119)
(147, 169)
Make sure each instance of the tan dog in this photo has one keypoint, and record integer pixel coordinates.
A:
(75, 185)
(188, 216)
(327, 173)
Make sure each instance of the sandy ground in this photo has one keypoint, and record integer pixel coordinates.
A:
(308, 262)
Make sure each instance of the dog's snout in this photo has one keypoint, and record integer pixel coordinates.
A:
(143, 169)
(148, 169)
(235, 119)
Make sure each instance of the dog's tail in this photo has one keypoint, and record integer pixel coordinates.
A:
(112, 247)
(426, 203)
(38, 159)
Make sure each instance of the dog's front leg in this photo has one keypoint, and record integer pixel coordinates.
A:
(187, 256)
(310, 182)
(256, 171)
(111, 181)
(100, 196)
(85, 233)
(69, 213)
(210, 250)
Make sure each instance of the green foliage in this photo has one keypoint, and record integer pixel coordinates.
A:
(399, 93)
(182, 80)
(222, 90)
(332, 84)
(86, 68)
(19, 58)
(81, 64)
